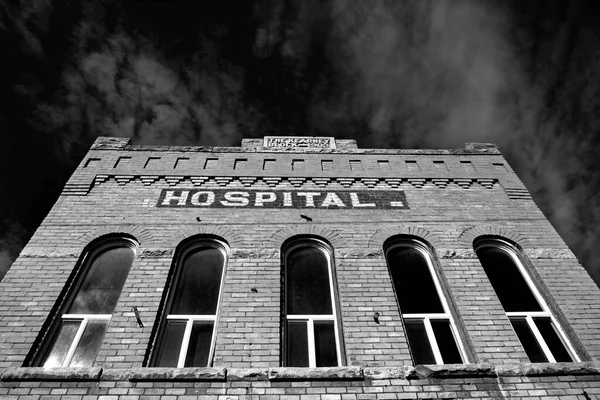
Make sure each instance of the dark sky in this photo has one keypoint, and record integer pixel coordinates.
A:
(523, 74)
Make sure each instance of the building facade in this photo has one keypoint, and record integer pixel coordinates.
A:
(297, 268)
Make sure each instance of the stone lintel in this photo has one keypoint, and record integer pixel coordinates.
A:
(310, 374)
(376, 373)
(247, 374)
(110, 143)
(549, 369)
(482, 147)
(50, 374)
(420, 372)
(449, 371)
(177, 374)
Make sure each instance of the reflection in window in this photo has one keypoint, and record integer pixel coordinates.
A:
(311, 329)
(429, 325)
(187, 331)
(539, 334)
(79, 332)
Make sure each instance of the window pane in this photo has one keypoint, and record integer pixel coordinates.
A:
(557, 347)
(89, 344)
(528, 340)
(103, 282)
(199, 283)
(168, 354)
(62, 343)
(199, 347)
(446, 341)
(325, 348)
(508, 282)
(419, 343)
(307, 282)
(414, 284)
(297, 344)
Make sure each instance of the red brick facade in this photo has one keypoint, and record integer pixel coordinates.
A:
(451, 198)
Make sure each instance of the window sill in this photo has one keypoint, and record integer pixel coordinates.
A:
(450, 371)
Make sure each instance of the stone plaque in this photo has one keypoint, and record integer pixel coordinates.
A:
(300, 142)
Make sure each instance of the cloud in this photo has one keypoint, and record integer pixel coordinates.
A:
(415, 73)
(439, 74)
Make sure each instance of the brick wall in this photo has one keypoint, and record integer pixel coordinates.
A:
(453, 196)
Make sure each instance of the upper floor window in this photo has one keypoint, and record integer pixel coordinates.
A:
(76, 337)
(312, 337)
(541, 336)
(429, 326)
(186, 334)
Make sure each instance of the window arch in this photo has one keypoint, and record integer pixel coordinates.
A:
(75, 336)
(537, 329)
(311, 327)
(186, 333)
(428, 323)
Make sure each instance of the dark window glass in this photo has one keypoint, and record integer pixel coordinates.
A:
(445, 341)
(325, 348)
(199, 347)
(508, 282)
(197, 291)
(103, 282)
(62, 343)
(90, 342)
(168, 354)
(297, 344)
(307, 282)
(528, 340)
(414, 284)
(556, 346)
(419, 343)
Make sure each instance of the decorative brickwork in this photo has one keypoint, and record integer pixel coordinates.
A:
(143, 235)
(468, 236)
(380, 236)
(82, 189)
(232, 238)
(306, 230)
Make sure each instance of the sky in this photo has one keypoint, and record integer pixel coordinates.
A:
(523, 74)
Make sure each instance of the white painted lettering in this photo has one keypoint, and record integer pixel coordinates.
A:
(264, 197)
(233, 199)
(356, 201)
(170, 196)
(396, 204)
(287, 199)
(332, 199)
(210, 198)
(310, 202)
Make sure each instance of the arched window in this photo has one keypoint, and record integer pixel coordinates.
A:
(76, 337)
(312, 337)
(541, 336)
(187, 331)
(429, 326)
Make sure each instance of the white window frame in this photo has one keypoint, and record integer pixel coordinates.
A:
(86, 261)
(190, 319)
(310, 318)
(83, 320)
(529, 315)
(427, 317)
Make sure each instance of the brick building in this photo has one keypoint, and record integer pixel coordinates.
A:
(279, 270)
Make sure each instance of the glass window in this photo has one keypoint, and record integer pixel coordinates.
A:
(539, 333)
(311, 328)
(187, 331)
(429, 326)
(78, 334)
